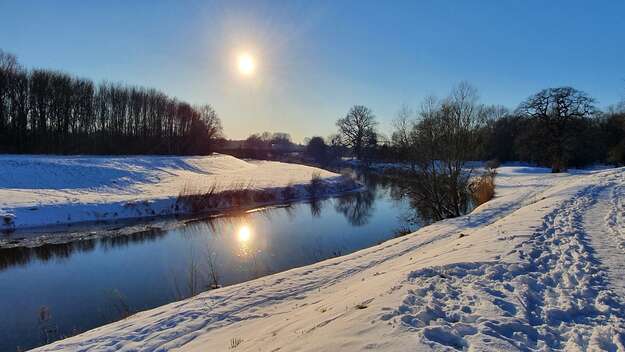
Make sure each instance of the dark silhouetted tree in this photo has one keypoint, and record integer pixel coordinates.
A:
(357, 130)
(317, 150)
(281, 141)
(557, 119)
(46, 111)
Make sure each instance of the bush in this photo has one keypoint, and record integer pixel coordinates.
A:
(483, 188)
(316, 186)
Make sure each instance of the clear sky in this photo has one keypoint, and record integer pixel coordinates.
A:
(315, 59)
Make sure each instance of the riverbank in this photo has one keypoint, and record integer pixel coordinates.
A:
(169, 258)
(38, 191)
(518, 273)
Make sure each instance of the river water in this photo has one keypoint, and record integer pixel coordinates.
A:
(57, 290)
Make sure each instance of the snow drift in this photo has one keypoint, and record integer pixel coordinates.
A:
(45, 190)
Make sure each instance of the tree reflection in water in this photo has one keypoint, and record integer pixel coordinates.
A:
(400, 185)
(21, 256)
(316, 205)
(356, 207)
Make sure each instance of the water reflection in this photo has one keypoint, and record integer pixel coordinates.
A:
(21, 256)
(244, 239)
(356, 207)
(244, 234)
(316, 205)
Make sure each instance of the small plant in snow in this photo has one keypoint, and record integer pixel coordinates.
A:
(402, 231)
(235, 342)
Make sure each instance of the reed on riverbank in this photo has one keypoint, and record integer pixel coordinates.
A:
(482, 188)
(195, 199)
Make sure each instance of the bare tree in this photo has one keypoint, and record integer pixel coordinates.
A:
(10, 77)
(446, 137)
(8, 61)
(402, 136)
(210, 119)
(554, 113)
(357, 130)
(205, 129)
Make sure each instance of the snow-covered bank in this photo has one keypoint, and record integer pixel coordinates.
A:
(519, 273)
(45, 190)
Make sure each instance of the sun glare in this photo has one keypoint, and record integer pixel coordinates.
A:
(244, 234)
(246, 64)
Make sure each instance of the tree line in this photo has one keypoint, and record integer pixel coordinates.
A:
(45, 111)
(556, 127)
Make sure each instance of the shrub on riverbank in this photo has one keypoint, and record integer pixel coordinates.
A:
(483, 187)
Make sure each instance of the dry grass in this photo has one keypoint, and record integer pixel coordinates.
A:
(198, 199)
(402, 231)
(195, 199)
(235, 342)
(214, 197)
(483, 188)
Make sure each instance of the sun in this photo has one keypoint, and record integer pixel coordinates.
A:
(247, 65)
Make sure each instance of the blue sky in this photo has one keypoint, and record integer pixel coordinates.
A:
(315, 59)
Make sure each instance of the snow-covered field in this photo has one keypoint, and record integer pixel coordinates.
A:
(536, 268)
(44, 190)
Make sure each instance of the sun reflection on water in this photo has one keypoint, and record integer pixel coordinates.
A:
(244, 234)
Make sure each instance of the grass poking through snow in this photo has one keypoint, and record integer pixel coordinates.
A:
(213, 197)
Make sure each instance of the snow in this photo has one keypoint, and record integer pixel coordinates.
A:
(43, 190)
(605, 223)
(518, 273)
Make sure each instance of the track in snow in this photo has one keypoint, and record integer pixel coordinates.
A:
(605, 224)
(556, 298)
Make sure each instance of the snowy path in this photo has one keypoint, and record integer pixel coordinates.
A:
(556, 297)
(605, 224)
(518, 274)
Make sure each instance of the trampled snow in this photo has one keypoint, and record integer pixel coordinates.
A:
(45, 190)
(519, 273)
